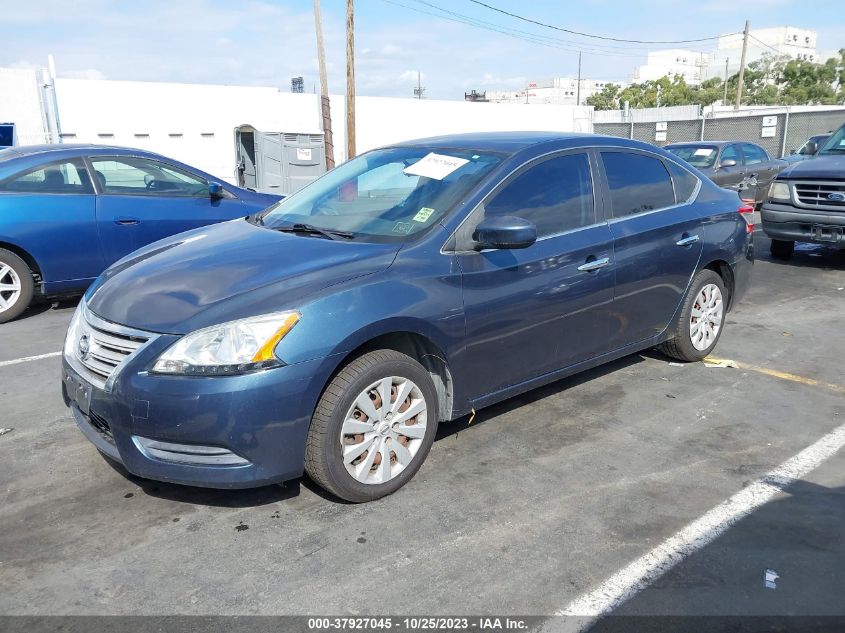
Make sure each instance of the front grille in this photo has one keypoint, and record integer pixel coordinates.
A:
(100, 347)
(816, 194)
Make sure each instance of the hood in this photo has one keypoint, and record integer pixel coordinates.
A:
(224, 272)
(822, 167)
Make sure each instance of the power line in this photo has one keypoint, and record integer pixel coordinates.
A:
(599, 37)
(534, 38)
(759, 41)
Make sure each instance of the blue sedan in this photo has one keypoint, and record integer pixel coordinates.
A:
(411, 285)
(69, 211)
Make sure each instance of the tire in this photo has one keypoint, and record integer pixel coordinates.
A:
(324, 451)
(685, 343)
(16, 286)
(782, 249)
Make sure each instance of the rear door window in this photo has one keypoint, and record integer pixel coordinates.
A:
(754, 154)
(555, 194)
(142, 176)
(731, 152)
(637, 183)
(66, 177)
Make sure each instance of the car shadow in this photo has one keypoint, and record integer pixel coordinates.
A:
(41, 305)
(806, 255)
(448, 429)
(214, 497)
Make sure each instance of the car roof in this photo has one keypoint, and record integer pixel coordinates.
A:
(510, 142)
(714, 143)
(72, 149)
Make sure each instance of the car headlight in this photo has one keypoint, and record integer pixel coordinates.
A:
(779, 191)
(229, 348)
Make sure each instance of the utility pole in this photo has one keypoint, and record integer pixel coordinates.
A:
(741, 67)
(350, 80)
(578, 89)
(725, 98)
(325, 105)
(419, 90)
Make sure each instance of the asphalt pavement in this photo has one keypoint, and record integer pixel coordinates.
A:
(535, 503)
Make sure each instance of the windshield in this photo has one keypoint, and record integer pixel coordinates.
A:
(386, 194)
(701, 156)
(835, 144)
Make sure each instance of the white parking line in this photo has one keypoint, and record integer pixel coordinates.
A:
(26, 359)
(635, 577)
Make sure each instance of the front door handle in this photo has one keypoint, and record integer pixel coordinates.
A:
(594, 264)
(126, 221)
(686, 241)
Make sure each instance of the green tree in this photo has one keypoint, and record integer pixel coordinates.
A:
(607, 99)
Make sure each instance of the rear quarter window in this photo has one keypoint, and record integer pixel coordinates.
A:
(684, 182)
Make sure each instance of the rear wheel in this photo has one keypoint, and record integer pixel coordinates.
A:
(373, 427)
(16, 285)
(702, 316)
(782, 249)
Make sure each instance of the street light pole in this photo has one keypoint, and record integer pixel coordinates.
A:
(350, 80)
(741, 67)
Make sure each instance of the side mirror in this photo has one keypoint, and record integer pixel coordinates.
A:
(730, 162)
(215, 190)
(812, 148)
(505, 231)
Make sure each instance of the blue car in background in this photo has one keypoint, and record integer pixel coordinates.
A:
(411, 285)
(67, 212)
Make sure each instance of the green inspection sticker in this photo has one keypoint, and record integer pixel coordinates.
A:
(423, 214)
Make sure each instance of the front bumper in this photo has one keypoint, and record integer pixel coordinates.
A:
(218, 432)
(788, 223)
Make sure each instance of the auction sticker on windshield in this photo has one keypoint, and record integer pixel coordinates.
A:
(423, 214)
(703, 151)
(436, 166)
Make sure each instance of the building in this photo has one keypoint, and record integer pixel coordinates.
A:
(781, 41)
(698, 66)
(691, 65)
(552, 91)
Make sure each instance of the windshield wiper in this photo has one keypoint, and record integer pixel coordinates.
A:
(307, 229)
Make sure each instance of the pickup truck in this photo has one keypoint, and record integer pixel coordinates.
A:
(806, 202)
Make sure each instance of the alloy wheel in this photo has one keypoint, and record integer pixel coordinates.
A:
(706, 317)
(10, 287)
(383, 430)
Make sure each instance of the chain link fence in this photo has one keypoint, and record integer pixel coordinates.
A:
(777, 133)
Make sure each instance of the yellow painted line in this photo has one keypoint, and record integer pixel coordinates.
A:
(783, 375)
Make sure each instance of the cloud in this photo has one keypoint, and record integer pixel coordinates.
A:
(87, 73)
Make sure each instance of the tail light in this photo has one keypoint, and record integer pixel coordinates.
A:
(746, 211)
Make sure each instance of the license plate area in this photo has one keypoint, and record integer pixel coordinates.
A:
(78, 391)
(822, 233)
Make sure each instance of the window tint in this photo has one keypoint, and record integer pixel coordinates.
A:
(556, 195)
(731, 153)
(684, 182)
(637, 183)
(753, 154)
(130, 175)
(63, 177)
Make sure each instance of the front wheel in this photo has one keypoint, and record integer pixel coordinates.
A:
(16, 285)
(702, 316)
(373, 427)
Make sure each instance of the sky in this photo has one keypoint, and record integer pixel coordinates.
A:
(266, 42)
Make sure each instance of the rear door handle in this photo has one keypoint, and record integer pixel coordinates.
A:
(126, 221)
(686, 241)
(594, 264)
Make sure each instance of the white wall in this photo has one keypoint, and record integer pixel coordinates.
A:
(195, 123)
(381, 120)
(20, 104)
(204, 115)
